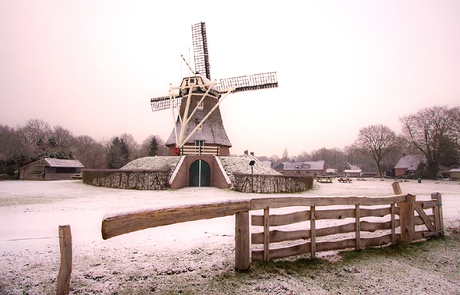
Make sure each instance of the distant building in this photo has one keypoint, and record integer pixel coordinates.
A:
(331, 171)
(408, 164)
(51, 169)
(352, 172)
(312, 168)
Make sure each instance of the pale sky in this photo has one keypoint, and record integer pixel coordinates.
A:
(92, 66)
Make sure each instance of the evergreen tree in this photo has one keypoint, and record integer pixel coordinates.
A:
(153, 147)
(117, 153)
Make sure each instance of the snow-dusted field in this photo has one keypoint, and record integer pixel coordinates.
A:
(30, 213)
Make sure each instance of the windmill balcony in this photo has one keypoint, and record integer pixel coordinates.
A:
(200, 150)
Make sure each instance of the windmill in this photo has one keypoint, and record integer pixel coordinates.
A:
(199, 128)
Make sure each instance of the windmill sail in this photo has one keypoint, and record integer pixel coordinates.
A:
(200, 50)
(250, 82)
(164, 102)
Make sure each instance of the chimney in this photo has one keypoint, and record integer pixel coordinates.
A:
(252, 154)
(246, 152)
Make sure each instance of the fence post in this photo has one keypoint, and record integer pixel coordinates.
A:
(242, 250)
(358, 227)
(312, 231)
(437, 211)
(407, 219)
(65, 269)
(266, 234)
(396, 188)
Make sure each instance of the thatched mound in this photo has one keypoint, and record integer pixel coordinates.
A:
(154, 163)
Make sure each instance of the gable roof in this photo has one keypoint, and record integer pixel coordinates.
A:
(410, 162)
(64, 163)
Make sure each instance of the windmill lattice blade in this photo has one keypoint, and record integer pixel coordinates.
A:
(164, 102)
(250, 82)
(200, 50)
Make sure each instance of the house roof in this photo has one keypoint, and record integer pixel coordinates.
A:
(410, 162)
(64, 163)
(308, 165)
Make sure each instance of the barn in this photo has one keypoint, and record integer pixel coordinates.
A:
(50, 169)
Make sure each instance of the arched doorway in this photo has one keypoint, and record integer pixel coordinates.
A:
(199, 174)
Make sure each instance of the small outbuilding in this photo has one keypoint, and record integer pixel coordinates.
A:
(51, 169)
(352, 173)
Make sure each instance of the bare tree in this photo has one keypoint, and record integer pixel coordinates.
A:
(432, 131)
(89, 152)
(377, 141)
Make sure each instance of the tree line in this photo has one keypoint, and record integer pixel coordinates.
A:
(22, 145)
(433, 132)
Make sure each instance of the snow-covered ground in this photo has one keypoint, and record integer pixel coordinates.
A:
(30, 213)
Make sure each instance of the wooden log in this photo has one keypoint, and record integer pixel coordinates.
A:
(438, 215)
(407, 219)
(122, 223)
(65, 268)
(261, 203)
(313, 232)
(266, 234)
(242, 247)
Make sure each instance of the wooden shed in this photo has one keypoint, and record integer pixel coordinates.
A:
(51, 169)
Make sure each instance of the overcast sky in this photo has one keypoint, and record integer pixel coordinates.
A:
(92, 66)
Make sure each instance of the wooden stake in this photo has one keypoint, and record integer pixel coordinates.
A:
(65, 269)
(242, 249)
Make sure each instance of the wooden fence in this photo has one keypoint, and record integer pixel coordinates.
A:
(385, 220)
(403, 219)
